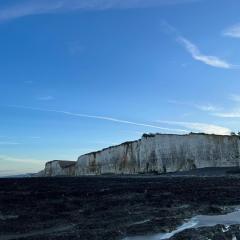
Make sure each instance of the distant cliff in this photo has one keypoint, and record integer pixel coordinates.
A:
(59, 168)
(155, 153)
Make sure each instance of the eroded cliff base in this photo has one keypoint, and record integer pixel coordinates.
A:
(114, 207)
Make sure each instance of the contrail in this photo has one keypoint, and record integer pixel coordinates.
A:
(98, 117)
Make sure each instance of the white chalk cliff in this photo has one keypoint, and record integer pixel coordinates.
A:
(155, 153)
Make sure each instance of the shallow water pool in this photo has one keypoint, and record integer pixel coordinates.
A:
(195, 222)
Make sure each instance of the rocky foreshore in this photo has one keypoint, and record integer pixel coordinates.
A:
(115, 208)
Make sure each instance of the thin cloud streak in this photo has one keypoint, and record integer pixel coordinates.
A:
(9, 143)
(207, 108)
(36, 7)
(20, 160)
(16, 165)
(233, 31)
(100, 118)
(203, 107)
(201, 127)
(214, 110)
(212, 61)
(45, 98)
(194, 51)
(234, 112)
(235, 97)
(231, 114)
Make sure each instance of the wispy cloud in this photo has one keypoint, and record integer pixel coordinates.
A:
(20, 160)
(235, 113)
(9, 143)
(11, 165)
(216, 111)
(194, 51)
(36, 7)
(207, 108)
(45, 98)
(200, 127)
(233, 31)
(235, 97)
(203, 107)
(212, 61)
(35, 137)
(111, 119)
(231, 112)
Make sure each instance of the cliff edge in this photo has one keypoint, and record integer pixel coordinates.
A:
(159, 153)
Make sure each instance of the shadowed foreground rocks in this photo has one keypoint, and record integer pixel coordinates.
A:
(113, 207)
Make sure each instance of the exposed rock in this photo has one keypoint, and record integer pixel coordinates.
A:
(154, 153)
(163, 153)
(60, 168)
(103, 208)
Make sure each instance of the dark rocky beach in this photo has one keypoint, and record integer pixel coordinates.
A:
(116, 207)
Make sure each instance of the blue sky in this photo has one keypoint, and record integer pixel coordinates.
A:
(80, 75)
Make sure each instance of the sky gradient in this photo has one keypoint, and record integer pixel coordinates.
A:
(80, 75)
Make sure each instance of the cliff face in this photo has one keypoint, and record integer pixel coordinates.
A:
(154, 153)
(119, 159)
(59, 168)
(163, 153)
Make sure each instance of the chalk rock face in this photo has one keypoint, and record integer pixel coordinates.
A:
(163, 153)
(119, 159)
(59, 168)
